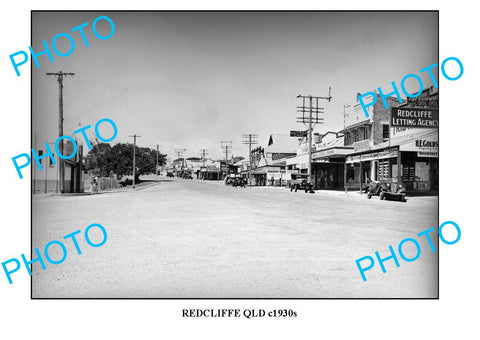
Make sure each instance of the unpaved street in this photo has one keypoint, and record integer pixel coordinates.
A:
(198, 239)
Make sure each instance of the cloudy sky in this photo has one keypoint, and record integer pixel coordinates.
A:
(191, 80)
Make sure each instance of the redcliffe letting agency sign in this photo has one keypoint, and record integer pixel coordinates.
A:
(413, 117)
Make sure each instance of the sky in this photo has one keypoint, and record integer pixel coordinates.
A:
(189, 80)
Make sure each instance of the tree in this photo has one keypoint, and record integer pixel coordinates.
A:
(119, 160)
(96, 159)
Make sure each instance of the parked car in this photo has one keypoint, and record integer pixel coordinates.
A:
(374, 188)
(383, 189)
(399, 194)
(235, 181)
(170, 174)
(239, 182)
(300, 181)
(187, 175)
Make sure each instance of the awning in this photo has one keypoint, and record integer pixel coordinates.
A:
(335, 152)
(389, 153)
(425, 145)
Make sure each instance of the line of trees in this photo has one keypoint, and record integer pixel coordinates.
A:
(105, 160)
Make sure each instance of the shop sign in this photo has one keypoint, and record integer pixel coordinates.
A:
(414, 117)
(389, 153)
(403, 131)
(425, 147)
(353, 159)
(298, 133)
(324, 153)
(332, 151)
(432, 154)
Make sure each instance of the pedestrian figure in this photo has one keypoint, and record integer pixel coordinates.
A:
(95, 184)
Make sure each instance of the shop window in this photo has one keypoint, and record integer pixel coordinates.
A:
(40, 153)
(356, 137)
(383, 169)
(386, 132)
(346, 138)
(366, 133)
(408, 174)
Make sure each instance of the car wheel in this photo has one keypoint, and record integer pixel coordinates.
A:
(382, 196)
(369, 195)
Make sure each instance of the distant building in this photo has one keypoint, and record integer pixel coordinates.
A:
(269, 163)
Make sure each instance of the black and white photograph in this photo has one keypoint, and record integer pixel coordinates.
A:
(234, 155)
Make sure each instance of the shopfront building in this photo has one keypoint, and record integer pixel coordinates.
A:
(328, 167)
(411, 160)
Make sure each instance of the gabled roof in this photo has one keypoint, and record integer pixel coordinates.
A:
(335, 142)
(282, 143)
(240, 162)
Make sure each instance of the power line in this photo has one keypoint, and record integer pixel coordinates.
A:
(179, 153)
(311, 121)
(250, 139)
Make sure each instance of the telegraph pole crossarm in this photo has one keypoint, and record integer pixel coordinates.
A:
(311, 121)
(180, 154)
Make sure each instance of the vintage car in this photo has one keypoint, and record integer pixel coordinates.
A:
(235, 181)
(187, 175)
(399, 194)
(387, 190)
(375, 187)
(239, 182)
(300, 181)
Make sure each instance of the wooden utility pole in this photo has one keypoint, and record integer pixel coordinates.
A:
(226, 146)
(134, 147)
(204, 153)
(311, 121)
(250, 139)
(60, 76)
(180, 153)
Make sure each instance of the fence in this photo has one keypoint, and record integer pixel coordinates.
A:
(103, 184)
